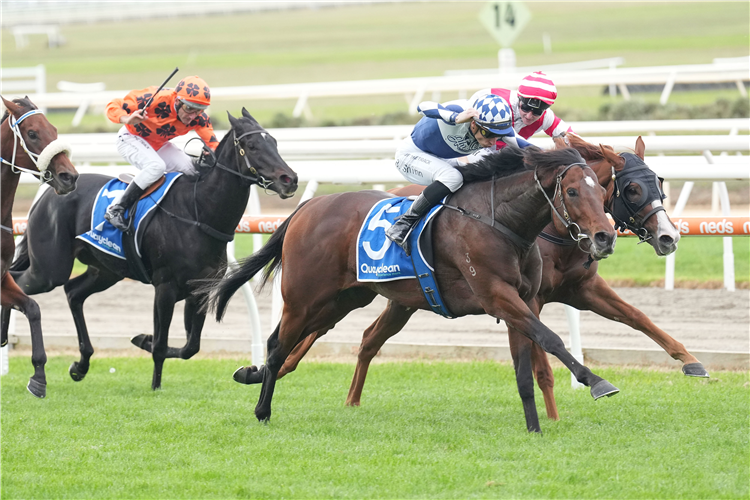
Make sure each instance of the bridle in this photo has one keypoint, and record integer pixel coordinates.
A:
(569, 224)
(518, 240)
(625, 212)
(255, 178)
(41, 160)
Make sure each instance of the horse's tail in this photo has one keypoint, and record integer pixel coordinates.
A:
(21, 261)
(268, 257)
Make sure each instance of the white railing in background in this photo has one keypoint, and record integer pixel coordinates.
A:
(22, 81)
(734, 70)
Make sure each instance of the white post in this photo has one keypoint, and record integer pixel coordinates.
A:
(678, 208)
(4, 368)
(506, 60)
(253, 208)
(667, 88)
(547, 43)
(720, 188)
(4, 364)
(574, 325)
(41, 83)
(728, 250)
(256, 332)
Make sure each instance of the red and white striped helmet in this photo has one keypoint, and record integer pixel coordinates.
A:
(537, 85)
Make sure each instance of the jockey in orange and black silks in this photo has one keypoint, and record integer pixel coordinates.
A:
(164, 120)
(144, 138)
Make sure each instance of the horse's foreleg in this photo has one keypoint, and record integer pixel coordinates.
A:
(507, 305)
(77, 291)
(299, 351)
(520, 350)
(597, 296)
(164, 301)
(391, 321)
(13, 296)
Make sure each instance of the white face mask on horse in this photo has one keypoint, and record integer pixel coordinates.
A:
(41, 160)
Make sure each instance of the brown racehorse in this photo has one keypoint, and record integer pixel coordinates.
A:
(566, 279)
(482, 268)
(28, 143)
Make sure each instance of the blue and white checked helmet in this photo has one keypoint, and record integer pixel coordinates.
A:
(494, 115)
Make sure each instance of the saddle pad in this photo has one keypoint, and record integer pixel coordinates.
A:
(378, 258)
(104, 236)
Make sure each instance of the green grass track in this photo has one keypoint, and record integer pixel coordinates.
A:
(425, 430)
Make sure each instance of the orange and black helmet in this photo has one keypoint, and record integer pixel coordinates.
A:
(194, 91)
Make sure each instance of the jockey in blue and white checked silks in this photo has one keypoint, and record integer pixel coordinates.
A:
(446, 133)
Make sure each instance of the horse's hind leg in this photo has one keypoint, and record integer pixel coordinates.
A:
(299, 351)
(520, 350)
(294, 325)
(391, 321)
(194, 321)
(545, 379)
(77, 290)
(13, 296)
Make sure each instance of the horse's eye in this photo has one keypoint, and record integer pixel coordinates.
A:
(572, 192)
(32, 135)
(633, 192)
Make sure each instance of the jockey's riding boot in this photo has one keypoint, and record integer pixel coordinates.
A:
(115, 213)
(400, 231)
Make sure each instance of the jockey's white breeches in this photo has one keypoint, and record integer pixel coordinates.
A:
(151, 163)
(423, 168)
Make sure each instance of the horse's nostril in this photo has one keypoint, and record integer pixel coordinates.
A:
(603, 238)
(666, 240)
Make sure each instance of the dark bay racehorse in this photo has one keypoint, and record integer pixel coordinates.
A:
(186, 239)
(479, 268)
(28, 143)
(568, 276)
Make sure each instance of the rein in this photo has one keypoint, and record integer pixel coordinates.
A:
(41, 160)
(518, 240)
(490, 221)
(255, 179)
(565, 218)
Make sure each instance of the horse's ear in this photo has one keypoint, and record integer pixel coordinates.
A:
(559, 142)
(640, 147)
(11, 106)
(613, 158)
(246, 114)
(232, 120)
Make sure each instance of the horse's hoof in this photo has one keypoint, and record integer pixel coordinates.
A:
(140, 341)
(694, 370)
(603, 388)
(248, 375)
(263, 417)
(75, 373)
(37, 388)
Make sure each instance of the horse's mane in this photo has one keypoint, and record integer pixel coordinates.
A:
(507, 161)
(511, 160)
(24, 102)
(589, 152)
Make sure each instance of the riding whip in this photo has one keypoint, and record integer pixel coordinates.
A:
(148, 103)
